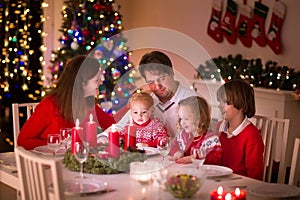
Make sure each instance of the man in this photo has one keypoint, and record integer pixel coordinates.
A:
(157, 70)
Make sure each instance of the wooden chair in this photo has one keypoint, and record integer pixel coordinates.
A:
(275, 136)
(40, 177)
(295, 174)
(28, 109)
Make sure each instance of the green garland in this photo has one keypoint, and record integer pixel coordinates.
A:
(95, 165)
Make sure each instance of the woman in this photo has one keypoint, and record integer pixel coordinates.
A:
(72, 99)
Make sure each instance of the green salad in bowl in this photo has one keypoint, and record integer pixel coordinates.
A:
(185, 182)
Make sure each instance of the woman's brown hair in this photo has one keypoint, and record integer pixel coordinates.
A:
(69, 91)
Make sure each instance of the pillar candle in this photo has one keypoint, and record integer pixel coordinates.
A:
(217, 194)
(91, 132)
(114, 142)
(77, 134)
(130, 132)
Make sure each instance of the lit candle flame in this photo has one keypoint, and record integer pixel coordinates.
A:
(228, 196)
(220, 190)
(237, 191)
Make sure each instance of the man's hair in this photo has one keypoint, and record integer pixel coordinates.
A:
(155, 61)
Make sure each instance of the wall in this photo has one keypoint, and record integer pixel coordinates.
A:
(191, 18)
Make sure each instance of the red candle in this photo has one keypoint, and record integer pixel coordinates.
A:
(130, 135)
(91, 132)
(217, 194)
(114, 142)
(77, 134)
(239, 194)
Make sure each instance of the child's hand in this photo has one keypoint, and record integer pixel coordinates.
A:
(176, 156)
(184, 160)
(141, 144)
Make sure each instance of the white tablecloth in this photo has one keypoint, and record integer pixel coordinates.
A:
(122, 186)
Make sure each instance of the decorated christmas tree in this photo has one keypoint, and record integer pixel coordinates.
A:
(21, 58)
(94, 27)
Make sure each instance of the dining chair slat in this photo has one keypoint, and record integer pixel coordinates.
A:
(40, 177)
(16, 112)
(275, 132)
(294, 173)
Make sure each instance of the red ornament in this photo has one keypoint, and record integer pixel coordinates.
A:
(98, 6)
(85, 32)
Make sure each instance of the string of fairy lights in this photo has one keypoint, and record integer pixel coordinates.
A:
(17, 48)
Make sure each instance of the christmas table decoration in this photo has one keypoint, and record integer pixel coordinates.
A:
(99, 164)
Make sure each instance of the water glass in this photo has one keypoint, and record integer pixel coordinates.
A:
(163, 146)
(198, 155)
(54, 142)
(81, 153)
(66, 134)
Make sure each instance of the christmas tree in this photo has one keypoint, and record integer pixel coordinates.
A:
(21, 42)
(94, 27)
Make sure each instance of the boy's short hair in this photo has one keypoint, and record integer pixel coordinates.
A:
(240, 94)
(141, 96)
(155, 61)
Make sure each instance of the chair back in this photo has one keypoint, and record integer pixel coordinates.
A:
(275, 136)
(295, 166)
(40, 177)
(24, 111)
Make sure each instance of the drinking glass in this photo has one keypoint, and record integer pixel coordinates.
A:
(81, 153)
(65, 134)
(198, 155)
(54, 142)
(163, 146)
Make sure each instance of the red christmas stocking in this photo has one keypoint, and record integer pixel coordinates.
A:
(258, 24)
(273, 37)
(243, 28)
(228, 22)
(214, 25)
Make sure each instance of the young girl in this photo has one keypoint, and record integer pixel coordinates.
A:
(148, 129)
(242, 144)
(194, 122)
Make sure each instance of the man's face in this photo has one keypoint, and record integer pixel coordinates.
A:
(161, 84)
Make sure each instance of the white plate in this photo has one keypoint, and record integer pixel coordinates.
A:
(85, 186)
(47, 152)
(275, 191)
(216, 170)
(8, 160)
(149, 150)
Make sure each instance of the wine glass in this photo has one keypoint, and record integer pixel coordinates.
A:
(66, 137)
(54, 142)
(163, 146)
(81, 152)
(198, 155)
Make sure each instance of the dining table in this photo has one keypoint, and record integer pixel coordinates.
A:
(123, 186)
